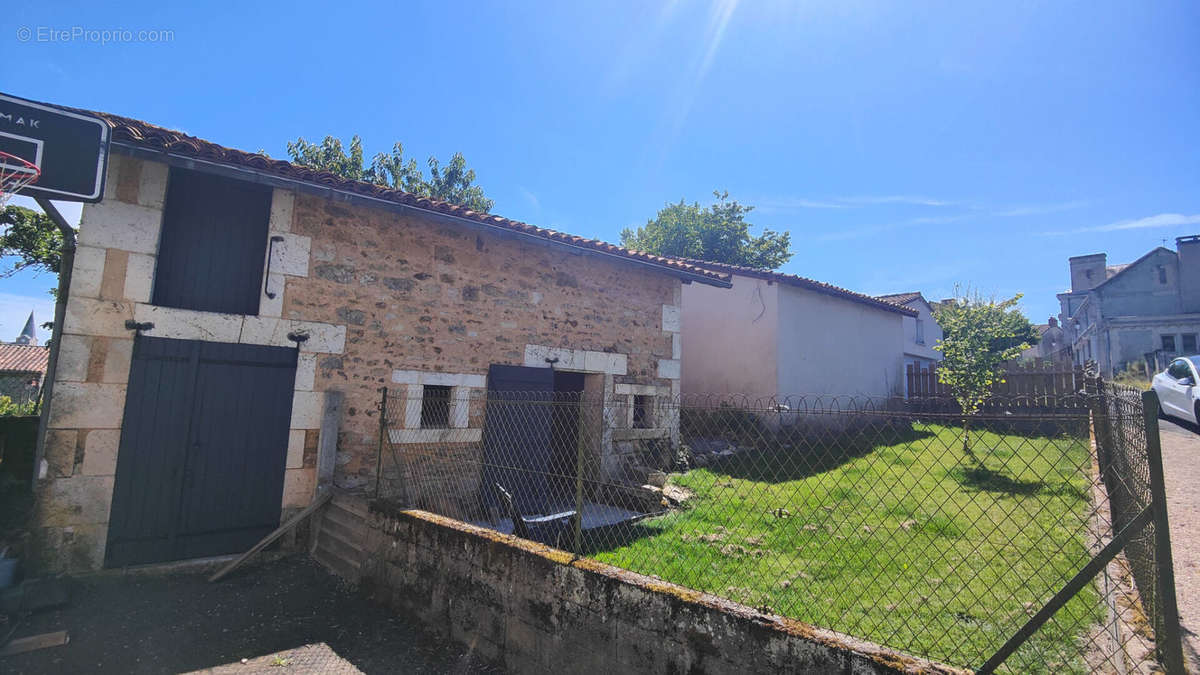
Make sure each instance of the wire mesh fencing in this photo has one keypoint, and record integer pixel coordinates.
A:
(877, 518)
(1126, 459)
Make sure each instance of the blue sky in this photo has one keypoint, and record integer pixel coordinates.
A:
(906, 146)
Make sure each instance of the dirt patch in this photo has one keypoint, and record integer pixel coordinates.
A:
(677, 495)
(125, 623)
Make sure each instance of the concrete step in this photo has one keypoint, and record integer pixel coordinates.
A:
(336, 564)
(355, 504)
(341, 535)
(347, 520)
(348, 547)
(350, 537)
(335, 549)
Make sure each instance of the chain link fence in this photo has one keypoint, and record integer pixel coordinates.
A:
(1126, 459)
(877, 518)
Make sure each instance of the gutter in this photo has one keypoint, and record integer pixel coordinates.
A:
(336, 194)
(66, 264)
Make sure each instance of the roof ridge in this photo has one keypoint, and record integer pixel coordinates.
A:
(161, 139)
(812, 284)
(1126, 266)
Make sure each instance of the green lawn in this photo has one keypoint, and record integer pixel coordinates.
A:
(898, 541)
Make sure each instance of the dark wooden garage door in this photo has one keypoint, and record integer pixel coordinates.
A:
(203, 449)
(517, 435)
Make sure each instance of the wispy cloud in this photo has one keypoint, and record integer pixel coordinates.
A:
(935, 280)
(794, 204)
(915, 200)
(1160, 220)
(868, 230)
(784, 204)
(530, 197)
(1039, 209)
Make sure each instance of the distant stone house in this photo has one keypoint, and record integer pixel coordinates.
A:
(1118, 315)
(775, 335)
(23, 365)
(1052, 346)
(222, 303)
(921, 332)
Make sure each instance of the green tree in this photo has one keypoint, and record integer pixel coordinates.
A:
(454, 182)
(978, 336)
(31, 238)
(10, 409)
(718, 233)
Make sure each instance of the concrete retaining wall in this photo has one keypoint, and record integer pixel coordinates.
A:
(534, 609)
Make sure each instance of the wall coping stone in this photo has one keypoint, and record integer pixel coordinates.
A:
(860, 656)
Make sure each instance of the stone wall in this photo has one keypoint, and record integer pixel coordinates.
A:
(112, 282)
(534, 609)
(20, 387)
(381, 296)
(421, 296)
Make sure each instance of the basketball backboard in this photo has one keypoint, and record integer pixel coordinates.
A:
(70, 148)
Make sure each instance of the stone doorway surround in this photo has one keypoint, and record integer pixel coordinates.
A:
(112, 283)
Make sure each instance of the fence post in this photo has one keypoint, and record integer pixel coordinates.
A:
(592, 419)
(1170, 643)
(382, 430)
(1103, 428)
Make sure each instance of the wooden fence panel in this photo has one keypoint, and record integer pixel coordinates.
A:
(1019, 380)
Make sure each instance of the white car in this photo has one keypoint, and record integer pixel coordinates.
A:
(1178, 394)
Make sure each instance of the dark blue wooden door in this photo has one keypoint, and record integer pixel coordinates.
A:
(517, 435)
(214, 235)
(203, 449)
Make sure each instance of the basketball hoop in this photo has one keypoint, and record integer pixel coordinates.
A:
(15, 175)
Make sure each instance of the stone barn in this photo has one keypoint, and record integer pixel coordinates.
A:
(232, 319)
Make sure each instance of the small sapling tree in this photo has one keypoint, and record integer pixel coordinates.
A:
(978, 336)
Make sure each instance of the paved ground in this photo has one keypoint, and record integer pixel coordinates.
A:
(1181, 468)
(286, 616)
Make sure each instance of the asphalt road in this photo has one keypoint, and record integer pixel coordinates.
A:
(1181, 469)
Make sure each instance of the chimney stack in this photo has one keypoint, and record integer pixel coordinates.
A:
(1088, 271)
(1189, 272)
(1053, 322)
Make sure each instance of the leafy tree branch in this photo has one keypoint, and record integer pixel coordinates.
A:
(31, 238)
(718, 233)
(452, 182)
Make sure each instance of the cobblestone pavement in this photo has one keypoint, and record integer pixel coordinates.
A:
(285, 616)
(1181, 468)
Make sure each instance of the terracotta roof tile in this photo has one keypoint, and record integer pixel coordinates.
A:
(803, 282)
(900, 298)
(23, 358)
(151, 137)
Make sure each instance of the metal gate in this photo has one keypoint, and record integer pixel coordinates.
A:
(203, 449)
